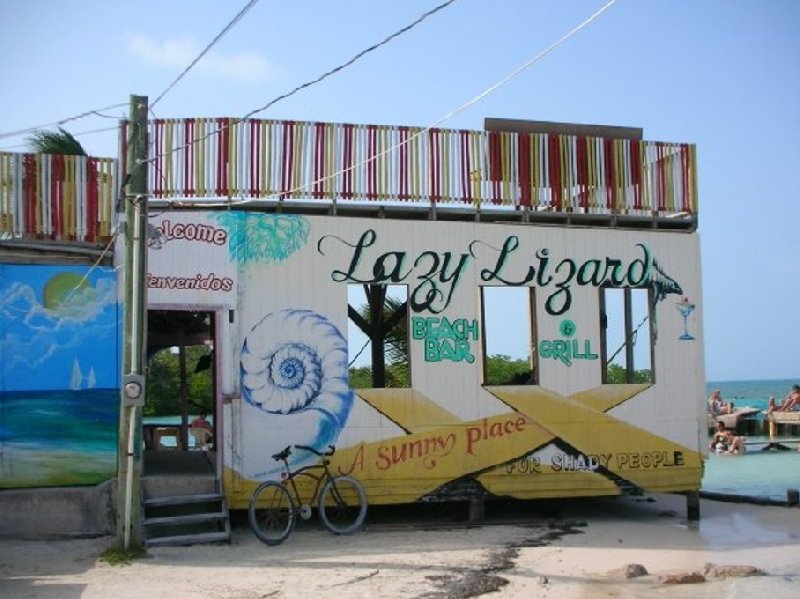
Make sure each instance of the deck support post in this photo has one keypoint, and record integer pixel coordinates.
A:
(693, 506)
(477, 509)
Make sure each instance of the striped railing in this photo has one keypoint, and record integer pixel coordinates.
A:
(250, 159)
(71, 198)
(56, 197)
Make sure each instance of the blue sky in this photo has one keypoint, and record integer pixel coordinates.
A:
(719, 73)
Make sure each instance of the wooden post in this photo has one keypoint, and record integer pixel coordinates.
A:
(477, 509)
(129, 452)
(693, 506)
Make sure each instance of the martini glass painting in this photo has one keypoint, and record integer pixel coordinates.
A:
(685, 307)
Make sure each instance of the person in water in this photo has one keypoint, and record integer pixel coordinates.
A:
(726, 441)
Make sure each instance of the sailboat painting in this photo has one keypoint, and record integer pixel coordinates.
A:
(60, 365)
(78, 381)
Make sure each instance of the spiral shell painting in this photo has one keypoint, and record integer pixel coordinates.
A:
(294, 372)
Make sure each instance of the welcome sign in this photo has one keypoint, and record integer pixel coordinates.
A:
(189, 261)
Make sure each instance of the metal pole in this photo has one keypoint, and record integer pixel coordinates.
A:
(129, 463)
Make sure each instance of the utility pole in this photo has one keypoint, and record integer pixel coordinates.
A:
(129, 451)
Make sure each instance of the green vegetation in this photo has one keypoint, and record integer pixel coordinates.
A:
(163, 394)
(504, 370)
(616, 375)
(56, 142)
(500, 370)
(117, 556)
(397, 376)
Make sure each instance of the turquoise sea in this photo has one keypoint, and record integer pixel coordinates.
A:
(58, 438)
(761, 474)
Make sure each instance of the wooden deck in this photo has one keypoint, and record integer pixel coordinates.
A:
(731, 421)
(784, 417)
(777, 418)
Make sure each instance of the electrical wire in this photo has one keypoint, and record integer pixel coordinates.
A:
(90, 132)
(513, 74)
(344, 65)
(491, 89)
(218, 37)
(93, 267)
(95, 112)
(318, 79)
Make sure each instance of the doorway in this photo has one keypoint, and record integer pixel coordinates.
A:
(180, 412)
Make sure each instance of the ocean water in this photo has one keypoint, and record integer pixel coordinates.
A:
(762, 474)
(58, 438)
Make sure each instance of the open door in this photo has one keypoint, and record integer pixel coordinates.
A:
(180, 405)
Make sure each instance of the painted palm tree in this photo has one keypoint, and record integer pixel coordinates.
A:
(56, 142)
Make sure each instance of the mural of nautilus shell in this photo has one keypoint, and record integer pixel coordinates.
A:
(294, 370)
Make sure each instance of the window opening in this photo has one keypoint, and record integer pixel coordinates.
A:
(509, 335)
(627, 340)
(377, 336)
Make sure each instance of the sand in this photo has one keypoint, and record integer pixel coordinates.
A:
(556, 550)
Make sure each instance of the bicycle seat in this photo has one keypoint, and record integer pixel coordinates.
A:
(283, 455)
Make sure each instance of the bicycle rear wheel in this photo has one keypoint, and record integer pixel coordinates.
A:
(272, 513)
(342, 505)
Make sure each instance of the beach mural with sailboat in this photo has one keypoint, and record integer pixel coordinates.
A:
(60, 364)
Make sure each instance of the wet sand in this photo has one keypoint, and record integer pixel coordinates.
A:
(534, 549)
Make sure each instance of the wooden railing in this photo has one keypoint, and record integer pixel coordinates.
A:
(251, 159)
(56, 197)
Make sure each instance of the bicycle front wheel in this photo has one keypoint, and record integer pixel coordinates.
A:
(342, 505)
(272, 513)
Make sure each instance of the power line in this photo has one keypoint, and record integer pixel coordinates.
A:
(325, 75)
(218, 37)
(344, 65)
(477, 98)
(539, 56)
(95, 112)
(526, 65)
(79, 134)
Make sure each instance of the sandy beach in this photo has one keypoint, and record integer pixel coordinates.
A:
(584, 548)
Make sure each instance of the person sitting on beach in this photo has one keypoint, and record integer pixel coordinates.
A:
(202, 432)
(201, 422)
(717, 405)
(714, 403)
(790, 404)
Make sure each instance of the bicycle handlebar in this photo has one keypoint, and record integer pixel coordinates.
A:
(287, 451)
(330, 451)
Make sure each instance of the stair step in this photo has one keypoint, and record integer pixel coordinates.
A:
(181, 499)
(190, 539)
(185, 519)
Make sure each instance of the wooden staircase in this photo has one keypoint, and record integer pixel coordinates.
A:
(182, 501)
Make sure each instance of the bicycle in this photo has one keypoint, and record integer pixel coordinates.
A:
(274, 506)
